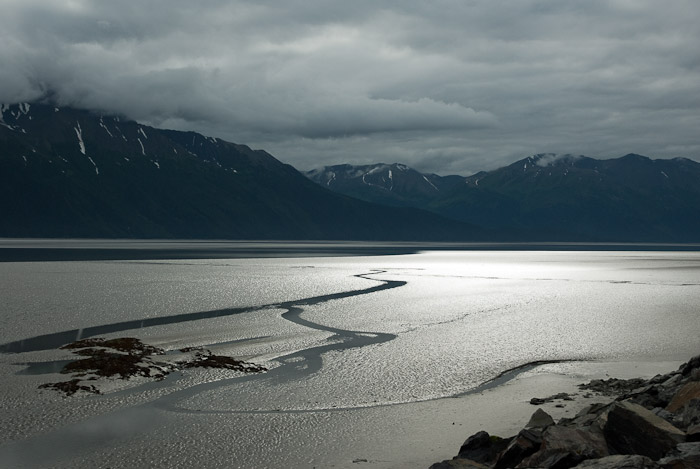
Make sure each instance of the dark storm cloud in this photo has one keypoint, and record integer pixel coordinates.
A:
(445, 86)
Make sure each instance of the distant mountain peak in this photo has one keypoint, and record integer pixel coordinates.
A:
(392, 184)
(544, 160)
(636, 157)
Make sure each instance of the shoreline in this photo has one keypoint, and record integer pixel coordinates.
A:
(417, 434)
(505, 409)
(508, 418)
(92, 249)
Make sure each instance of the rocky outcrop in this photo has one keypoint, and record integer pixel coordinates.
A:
(128, 357)
(651, 424)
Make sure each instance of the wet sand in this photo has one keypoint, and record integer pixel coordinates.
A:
(412, 435)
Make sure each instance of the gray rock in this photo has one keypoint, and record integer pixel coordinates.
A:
(632, 429)
(540, 419)
(564, 447)
(692, 364)
(658, 379)
(526, 443)
(482, 447)
(688, 392)
(685, 456)
(458, 463)
(673, 381)
(663, 413)
(619, 462)
(689, 415)
(693, 433)
(649, 396)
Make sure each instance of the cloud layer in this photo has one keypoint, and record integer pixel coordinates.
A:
(447, 86)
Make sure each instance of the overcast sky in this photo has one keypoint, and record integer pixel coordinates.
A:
(450, 87)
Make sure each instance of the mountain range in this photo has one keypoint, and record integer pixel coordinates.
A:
(545, 196)
(66, 172)
(72, 173)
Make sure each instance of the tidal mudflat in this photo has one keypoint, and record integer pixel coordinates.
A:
(370, 359)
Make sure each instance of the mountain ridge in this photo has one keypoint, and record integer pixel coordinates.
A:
(66, 172)
(557, 197)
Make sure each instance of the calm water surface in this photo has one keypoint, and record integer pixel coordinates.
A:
(343, 336)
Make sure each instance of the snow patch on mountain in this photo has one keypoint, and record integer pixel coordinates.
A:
(433, 185)
(102, 124)
(97, 170)
(79, 132)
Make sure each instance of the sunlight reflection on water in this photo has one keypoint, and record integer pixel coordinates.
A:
(460, 319)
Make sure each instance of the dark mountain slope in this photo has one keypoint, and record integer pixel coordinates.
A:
(632, 198)
(72, 173)
(395, 184)
(547, 197)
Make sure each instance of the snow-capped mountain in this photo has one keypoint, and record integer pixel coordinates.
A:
(72, 173)
(548, 197)
(391, 184)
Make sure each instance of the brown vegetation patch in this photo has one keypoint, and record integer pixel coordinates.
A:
(206, 359)
(125, 357)
(70, 387)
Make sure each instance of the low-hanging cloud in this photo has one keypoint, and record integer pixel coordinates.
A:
(446, 87)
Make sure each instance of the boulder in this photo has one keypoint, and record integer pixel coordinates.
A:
(564, 447)
(482, 447)
(685, 394)
(689, 415)
(693, 433)
(526, 443)
(649, 396)
(540, 419)
(687, 368)
(632, 429)
(685, 456)
(619, 461)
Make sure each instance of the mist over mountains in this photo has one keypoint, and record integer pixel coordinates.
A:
(71, 173)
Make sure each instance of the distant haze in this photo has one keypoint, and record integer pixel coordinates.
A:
(451, 87)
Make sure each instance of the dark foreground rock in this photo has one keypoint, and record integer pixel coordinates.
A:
(651, 424)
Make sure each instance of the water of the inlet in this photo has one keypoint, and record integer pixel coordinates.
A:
(449, 321)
